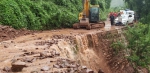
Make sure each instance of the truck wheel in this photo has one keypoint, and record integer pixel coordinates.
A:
(127, 23)
(132, 22)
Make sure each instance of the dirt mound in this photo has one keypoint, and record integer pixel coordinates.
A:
(8, 32)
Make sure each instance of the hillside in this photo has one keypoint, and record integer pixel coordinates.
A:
(43, 14)
(117, 3)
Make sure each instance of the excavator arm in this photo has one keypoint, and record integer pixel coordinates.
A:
(85, 12)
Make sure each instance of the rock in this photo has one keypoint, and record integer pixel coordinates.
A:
(52, 61)
(34, 72)
(39, 38)
(53, 53)
(56, 66)
(20, 49)
(18, 66)
(73, 66)
(24, 50)
(34, 59)
(89, 71)
(68, 65)
(75, 69)
(45, 68)
(36, 48)
(12, 41)
(4, 35)
(50, 55)
(78, 65)
(100, 71)
(84, 67)
(27, 53)
(72, 71)
(57, 54)
(68, 70)
(83, 71)
(28, 59)
(62, 66)
(56, 72)
(32, 53)
(43, 54)
(5, 46)
(7, 69)
(52, 42)
(72, 62)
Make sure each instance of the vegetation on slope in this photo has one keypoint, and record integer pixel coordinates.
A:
(117, 3)
(139, 45)
(42, 14)
(138, 36)
(142, 9)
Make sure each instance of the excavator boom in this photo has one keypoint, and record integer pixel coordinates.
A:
(85, 12)
(86, 7)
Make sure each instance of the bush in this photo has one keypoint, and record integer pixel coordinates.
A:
(139, 44)
(40, 14)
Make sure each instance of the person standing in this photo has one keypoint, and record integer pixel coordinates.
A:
(112, 19)
(109, 14)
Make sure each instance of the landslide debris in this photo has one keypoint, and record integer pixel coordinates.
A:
(7, 32)
(55, 63)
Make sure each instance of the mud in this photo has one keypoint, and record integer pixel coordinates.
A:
(63, 50)
(7, 32)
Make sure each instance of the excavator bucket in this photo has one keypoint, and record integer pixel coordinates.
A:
(76, 26)
(83, 23)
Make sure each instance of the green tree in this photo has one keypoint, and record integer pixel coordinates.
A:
(139, 44)
(141, 7)
(41, 14)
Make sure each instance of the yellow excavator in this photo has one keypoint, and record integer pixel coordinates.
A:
(89, 16)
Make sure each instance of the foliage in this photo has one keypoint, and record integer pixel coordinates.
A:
(139, 44)
(104, 4)
(103, 15)
(138, 36)
(41, 14)
(117, 46)
(141, 7)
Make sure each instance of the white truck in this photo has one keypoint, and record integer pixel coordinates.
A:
(127, 17)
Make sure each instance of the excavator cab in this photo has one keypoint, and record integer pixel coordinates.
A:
(94, 14)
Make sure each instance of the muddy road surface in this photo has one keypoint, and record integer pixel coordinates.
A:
(23, 51)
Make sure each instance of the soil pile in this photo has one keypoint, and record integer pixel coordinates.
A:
(7, 32)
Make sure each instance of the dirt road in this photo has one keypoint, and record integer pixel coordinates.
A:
(46, 51)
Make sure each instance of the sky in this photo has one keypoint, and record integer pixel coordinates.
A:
(117, 3)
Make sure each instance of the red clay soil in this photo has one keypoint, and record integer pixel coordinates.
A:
(38, 52)
(28, 51)
(7, 32)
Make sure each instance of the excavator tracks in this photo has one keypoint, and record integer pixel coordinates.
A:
(89, 26)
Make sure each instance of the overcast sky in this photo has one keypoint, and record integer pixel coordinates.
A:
(117, 3)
